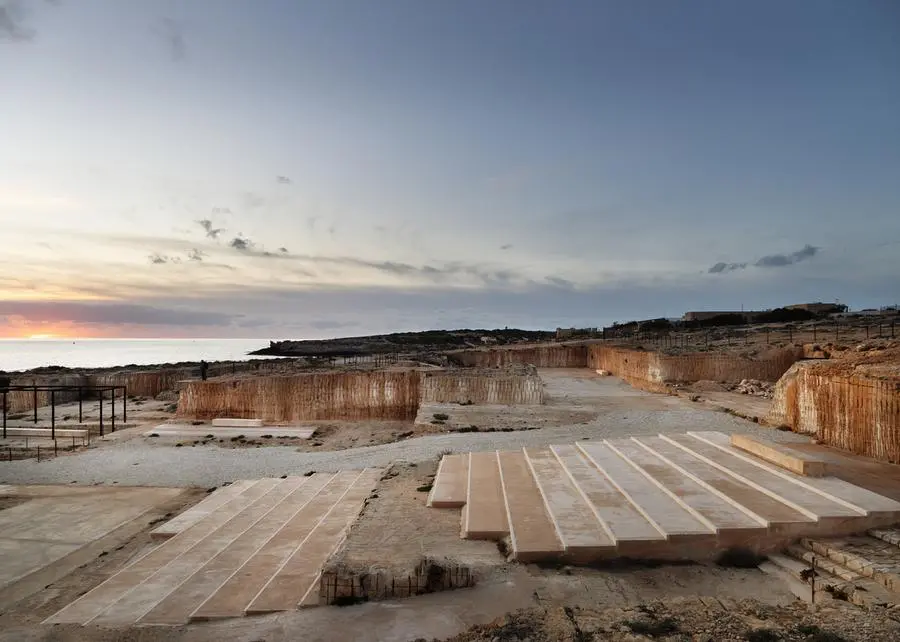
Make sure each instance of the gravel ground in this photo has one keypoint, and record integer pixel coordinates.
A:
(622, 412)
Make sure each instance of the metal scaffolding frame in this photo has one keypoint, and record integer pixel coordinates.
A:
(97, 390)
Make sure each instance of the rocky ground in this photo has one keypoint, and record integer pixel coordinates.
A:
(691, 619)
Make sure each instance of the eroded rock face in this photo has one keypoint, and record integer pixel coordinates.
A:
(851, 403)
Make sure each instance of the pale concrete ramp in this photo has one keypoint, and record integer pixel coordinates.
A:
(683, 496)
(252, 546)
(780, 455)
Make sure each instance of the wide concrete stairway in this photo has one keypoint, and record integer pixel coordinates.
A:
(684, 496)
(255, 546)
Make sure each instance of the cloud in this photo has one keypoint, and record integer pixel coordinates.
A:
(171, 32)
(211, 232)
(328, 324)
(12, 23)
(559, 282)
(718, 268)
(283, 250)
(508, 246)
(781, 260)
(91, 312)
(771, 260)
(221, 210)
(284, 180)
(242, 244)
(196, 255)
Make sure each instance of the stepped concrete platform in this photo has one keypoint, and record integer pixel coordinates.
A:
(781, 455)
(56, 529)
(682, 496)
(20, 431)
(188, 431)
(255, 546)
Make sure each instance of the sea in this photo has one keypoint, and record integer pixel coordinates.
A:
(24, 354)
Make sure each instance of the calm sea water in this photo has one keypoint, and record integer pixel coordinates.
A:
(23, 354)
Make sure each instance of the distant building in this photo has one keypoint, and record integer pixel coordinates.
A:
(819, 309)
(704, 315)
(573, 333)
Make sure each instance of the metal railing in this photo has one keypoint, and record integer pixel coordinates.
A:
(98, 391)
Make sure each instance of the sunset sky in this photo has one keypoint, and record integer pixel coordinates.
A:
(288, 169)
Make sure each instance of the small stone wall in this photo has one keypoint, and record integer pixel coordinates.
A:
(345, 585)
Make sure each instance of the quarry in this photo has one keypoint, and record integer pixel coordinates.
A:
(497, 489)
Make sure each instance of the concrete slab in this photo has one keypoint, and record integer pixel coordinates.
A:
(784, 490)
(14, 431)
(781, 455)
(233, 597)
(186, 431)
(484, 516)
(576, 524)
(197, 512)
(531, 530)
(450, 482)
(652, 502)
(42, 536)
(293, 582)
(625, 524)
(228, 422)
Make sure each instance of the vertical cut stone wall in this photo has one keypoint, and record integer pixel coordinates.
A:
(546, 356)
(479, 389)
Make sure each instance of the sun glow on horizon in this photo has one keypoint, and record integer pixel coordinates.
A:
(43, 336)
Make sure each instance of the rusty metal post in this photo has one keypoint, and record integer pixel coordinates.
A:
(124, 407)
(34, 385)
(100, 391)
(79, 404)
(53, 415)
(113, 418)
(4, 414)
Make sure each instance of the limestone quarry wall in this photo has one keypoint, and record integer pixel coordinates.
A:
(652, 370)
(348, 395)
(547, 356)
(23, 400)
(150, 383)
(478, 389)
(857, 409)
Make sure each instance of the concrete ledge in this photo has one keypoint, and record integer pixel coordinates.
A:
(792, 460)
(46, 432)
(225, 422)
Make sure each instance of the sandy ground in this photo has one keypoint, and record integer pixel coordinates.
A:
(616, 409)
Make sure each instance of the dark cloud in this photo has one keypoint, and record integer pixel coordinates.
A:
(158, 259)
(242, 244)
(284, 180)
(95, 312)
(196, 255)
(559, 282)
(211, 232)
(283, 250)
(781, 260)
(772, 260)
(508, 246)
(12, 23)
(171, 32)
(718, 268)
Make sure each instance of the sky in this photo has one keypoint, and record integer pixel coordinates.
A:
(302, 169)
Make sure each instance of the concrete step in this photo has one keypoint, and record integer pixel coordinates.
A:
(777, 486)
(450, 482)
(860, 500)
(299, 576)
(657, 506)
(136, 603)
(632, 533)
(579, 530)
(731, 524)
(780, 455)
(484, 516)
(61, 433)
(238, 591)
(230, 422)
(95, 601)
(769, 510)
(178, 605)
(532, 532)
(889, 535)
(868, 556)
(194, 514)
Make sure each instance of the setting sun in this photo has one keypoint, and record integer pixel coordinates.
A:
(42, 336)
